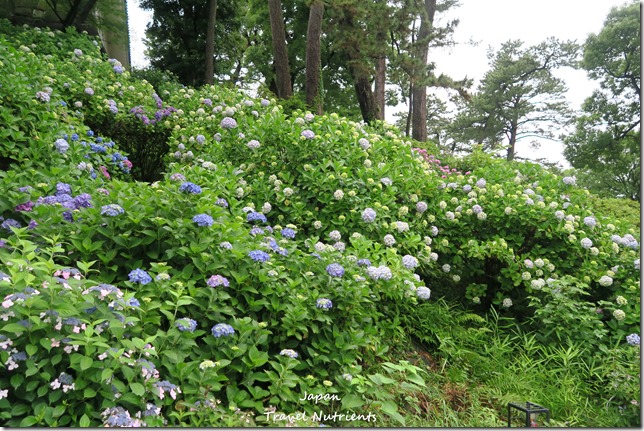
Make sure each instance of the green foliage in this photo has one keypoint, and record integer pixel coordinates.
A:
(257, 220)
(605, 146)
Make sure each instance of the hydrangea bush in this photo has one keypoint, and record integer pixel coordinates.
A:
(265, 255)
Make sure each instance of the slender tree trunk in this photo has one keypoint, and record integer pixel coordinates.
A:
(366, 98)
(513, 141)
(280, 52)
(408, 123)
(210, 43)
(419, 88)
(379, 86)
(313, 58)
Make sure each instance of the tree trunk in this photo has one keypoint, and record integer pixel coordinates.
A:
(379, 86)
(210, 43)
(313, 61)
(513, 141)
(419, 88)
(366, 98)
(280, 52)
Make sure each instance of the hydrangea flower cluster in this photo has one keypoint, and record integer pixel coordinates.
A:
(335, 270)
(186, 325)
(256, 216)
(423, 292)
(217, 280)
(139, 276)
(289, 352)
(633, 339)
(369, 215)
(203, 220)
(324, 303)
(111, 210)
(189, 187)
(259, 256)
(379, 272)
(307, 134)
(409, 261)
(228, 123)
(222, 329)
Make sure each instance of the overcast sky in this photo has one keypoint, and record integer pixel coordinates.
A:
(488, 23)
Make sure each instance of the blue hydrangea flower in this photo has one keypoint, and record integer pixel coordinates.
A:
(189, 187)
(186, 324)
(633, 339)
(222, 329)
(203, 220)
(288, 233)
(290, 353)
(222, 202)
(324, 303)
(9, 223)
(259, 256)
(111, 210)
(590, 221)
(335, 270)
(139, 276)
(256, 216)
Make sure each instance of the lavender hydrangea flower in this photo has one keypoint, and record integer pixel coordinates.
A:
(139, 276)
(324, 303)
(203, 220)
(228, 123)
(222, 329)
(586, 243)
(335, 270)
(364, 262)
(186, 324)
(189, 187)
(369, 215)
(222, 203)
(253, 144)
(259, 256)
(111, 210)
(61, 145)
(218, 280)
(308, 134)
(43, 96)
(290, 353)
(569, 181)
(590, 221)
(421, 206)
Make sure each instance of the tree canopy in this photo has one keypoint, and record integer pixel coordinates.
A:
(605, 146)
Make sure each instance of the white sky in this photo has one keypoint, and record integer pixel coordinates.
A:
(489, 23)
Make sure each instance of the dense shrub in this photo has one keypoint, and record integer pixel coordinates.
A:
(266, 255)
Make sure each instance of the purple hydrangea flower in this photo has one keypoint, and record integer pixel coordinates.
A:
(139, 276)
(222, 329)
(423, 292)
(364, 262)
(409, 261)
(308, 134)
(218, 280)
(222, 202)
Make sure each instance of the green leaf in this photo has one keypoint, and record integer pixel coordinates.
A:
(84, 421)
(391, 409)
(137, 389)
(86, 362)
(28, 422)
(352, 401)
